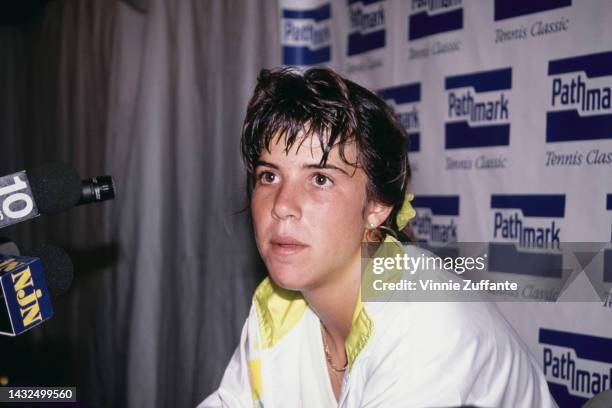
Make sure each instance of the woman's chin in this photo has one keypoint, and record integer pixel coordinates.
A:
(290, 279)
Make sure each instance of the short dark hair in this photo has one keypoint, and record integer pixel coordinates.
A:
(322, 104)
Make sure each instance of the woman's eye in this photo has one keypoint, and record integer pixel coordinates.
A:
(322, 180)
(266, 177)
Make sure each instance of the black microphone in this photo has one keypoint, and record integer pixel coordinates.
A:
(29, 283)
(59, 188)
(48, 189)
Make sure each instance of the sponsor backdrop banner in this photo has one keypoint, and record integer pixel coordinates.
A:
(508, 109)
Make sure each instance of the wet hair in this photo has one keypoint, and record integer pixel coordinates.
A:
(291, 106)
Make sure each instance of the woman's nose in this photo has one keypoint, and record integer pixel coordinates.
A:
(287, 202)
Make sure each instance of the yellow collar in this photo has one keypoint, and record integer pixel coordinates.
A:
(279, 310)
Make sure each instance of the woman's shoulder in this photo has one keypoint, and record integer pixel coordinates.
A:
(430, 304)
(464, 351)
(459, 321)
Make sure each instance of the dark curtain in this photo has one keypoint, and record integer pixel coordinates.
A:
(164, 273)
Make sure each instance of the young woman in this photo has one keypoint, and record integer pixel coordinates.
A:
(327, 170)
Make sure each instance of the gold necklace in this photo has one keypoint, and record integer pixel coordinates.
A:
(328, 354)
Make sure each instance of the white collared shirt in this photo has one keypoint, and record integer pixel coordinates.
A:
(409, 354)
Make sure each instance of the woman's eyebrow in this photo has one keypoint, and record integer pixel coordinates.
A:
(326, 166)
(265, 163)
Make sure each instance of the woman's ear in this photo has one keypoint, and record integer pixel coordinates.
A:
(376, 214)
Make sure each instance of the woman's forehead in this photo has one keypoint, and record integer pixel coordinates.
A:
(308, 148)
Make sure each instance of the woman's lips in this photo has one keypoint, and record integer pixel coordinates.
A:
(287, 246)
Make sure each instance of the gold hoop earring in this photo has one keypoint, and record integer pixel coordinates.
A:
(372, 233)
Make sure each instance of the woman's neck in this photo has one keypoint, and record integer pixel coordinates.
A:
(334, 302)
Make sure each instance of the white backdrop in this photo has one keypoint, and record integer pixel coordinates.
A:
(508, 108)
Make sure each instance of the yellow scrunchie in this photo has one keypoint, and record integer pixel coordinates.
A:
(406, 213)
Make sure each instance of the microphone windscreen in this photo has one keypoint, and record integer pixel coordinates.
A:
(8, 247)
(56, 187)
(57, 268)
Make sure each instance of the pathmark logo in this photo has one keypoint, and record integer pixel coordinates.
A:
(526, 234)
(580, 106)
(576, 366)
(478, 109)
(306, 36)
(435, 220)
(405, 100)
(508, 9)
(429, 17)
(367, 26)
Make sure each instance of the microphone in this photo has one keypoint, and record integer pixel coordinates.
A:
(27, 291)
(48, 189)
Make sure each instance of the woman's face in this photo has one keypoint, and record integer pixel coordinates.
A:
(309, 221)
